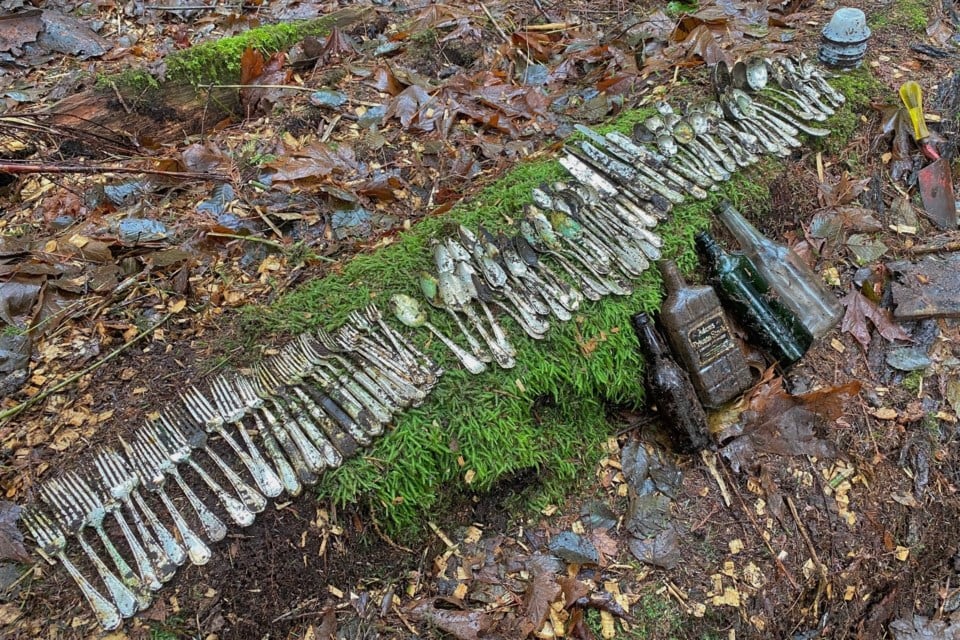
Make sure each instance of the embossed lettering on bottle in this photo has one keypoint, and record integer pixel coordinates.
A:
(700, 338)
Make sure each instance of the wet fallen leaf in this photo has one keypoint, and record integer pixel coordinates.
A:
(540, 594)
(11, 540)
(865, 248)
(463, 625)
(18, 29)
(953, 394)
(885, 413)
(922, 628)
(859, 310)
(779, 423)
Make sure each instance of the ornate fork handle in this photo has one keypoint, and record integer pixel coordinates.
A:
(126, 601)
(285, 471)
(198, 552)
(170, 546)
(254, 461)
(213, 526)
(144, 565)
(237, 510)
(106, 613)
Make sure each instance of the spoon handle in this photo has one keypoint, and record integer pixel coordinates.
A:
(472, 364)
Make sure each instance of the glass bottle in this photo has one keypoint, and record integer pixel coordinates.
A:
(670, 389)
(800, 289)
(701, 339)
(748, 297)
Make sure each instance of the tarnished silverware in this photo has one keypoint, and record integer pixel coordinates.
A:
(71, 520)
(51, 542)
(152, 479)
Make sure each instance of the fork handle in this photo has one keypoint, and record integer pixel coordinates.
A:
(288, 477)
(257, 466)
(262, 473)
(107, 615)
(122, 596)
(198, 552)
(171, 547)
(126, 573)
(304, 473)
(147, 573)
(164, 567)
(237, 511)
(214, 527)
(252, 498)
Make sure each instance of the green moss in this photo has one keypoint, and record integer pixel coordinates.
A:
(911, 382)
(487, 420)
(861, 88)
(676, 8)
(218, 61)
(134, 81)
(912, 13)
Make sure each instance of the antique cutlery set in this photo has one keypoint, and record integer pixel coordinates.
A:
(597, 228)
(327, 394)
(302, 411)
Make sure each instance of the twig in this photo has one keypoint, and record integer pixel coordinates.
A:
(13, 411)
(543, 11)
(233, 236)
(22, 167)
(933, 248)
(710, 459)
(756, 527)
(503, 34)
(821, 568)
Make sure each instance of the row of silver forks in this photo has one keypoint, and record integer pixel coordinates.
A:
(300, 412)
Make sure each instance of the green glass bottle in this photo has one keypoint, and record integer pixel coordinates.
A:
(751, 302)
(700, 337)
(670, 389)
(800, 288)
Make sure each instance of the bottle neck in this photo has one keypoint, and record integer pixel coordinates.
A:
(745, 233)
(651, 344)
(672, 280)
(708, 247)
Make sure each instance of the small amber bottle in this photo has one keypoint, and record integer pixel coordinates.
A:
(670, 389)
(700, 337)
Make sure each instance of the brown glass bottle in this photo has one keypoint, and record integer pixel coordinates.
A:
(700, 338)
(670, 389)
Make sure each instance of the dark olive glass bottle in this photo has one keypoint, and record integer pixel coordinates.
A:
(700, 338)
(750, 300)
(670, 389)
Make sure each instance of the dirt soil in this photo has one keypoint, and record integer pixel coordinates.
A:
(789, 546)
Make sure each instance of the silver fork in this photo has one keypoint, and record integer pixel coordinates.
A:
(401, 343)
(125, 476)
(152, 479)
(273, 427)
(71, 492)
(51, 542)
(351, 338)
(202, 411)
(119, 487)
(150, 453)
(183, 433)
(265, 477)
(71, 521)
(179, 453)
(369, 371)
(233, 401)
(304, 353)
(267, 385)
(325, 412)
(335, 403)
(400, 355)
